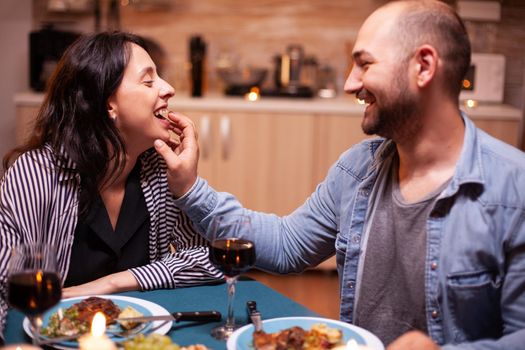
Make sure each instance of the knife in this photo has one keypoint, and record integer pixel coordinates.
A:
(200, 316)
(255, 315)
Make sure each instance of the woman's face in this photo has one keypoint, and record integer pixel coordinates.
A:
(140, 95)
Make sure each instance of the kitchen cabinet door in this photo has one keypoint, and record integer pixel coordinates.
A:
(334, 135)
(506, 130)
(265, 160)
(204, 123)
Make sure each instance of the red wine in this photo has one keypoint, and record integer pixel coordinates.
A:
(232, 256)
(34, 292)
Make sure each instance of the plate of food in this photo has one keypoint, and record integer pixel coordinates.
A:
(73, 316)
(311, 332)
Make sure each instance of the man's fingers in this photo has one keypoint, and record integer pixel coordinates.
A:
(165, 152)
(182, 124)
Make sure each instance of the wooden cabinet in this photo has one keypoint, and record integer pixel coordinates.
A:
(25, 117)
(506, 130)
(265, 159)
(335, 133)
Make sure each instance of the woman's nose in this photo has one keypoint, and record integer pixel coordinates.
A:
(166, 90)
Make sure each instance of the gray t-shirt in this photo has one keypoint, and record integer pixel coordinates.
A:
(392, 288)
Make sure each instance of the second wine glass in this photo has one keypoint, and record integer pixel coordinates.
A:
(33, 282)
(233, 254)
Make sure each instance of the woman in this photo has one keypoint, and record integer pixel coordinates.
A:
(89, 181)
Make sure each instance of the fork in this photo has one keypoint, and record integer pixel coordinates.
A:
(123, 335)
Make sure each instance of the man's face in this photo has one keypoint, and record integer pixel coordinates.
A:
(394, 106)
(380, 77)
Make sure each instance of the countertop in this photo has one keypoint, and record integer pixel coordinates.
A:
(341, 105)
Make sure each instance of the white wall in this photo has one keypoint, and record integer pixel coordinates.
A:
(15, 25)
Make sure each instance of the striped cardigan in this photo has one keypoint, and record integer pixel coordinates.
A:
(38, 202)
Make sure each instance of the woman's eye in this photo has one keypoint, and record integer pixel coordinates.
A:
(148, 82)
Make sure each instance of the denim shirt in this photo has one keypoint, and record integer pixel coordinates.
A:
(475, 257)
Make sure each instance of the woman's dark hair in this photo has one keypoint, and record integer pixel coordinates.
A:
(74, 118)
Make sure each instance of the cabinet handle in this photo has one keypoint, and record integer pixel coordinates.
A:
(226, 137)
(205, 136)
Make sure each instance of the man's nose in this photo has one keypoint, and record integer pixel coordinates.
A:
(353, 83)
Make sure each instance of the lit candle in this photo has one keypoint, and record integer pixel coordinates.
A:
(351, 345)
(97, 339)
(21, 347)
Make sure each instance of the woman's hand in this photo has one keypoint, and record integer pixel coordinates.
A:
(114, 283)
(181, 157)
(413, 340)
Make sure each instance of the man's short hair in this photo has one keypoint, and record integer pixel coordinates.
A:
(437, 24)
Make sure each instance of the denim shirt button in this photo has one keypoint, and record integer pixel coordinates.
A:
(433, 265)
(356, 239)
(434, 314)
(351, 284)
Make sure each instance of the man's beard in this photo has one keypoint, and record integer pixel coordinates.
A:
(395, 114)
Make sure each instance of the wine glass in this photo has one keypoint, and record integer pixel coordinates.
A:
(232, 254)
(33, 282)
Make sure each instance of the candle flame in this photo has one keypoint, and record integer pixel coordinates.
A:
(18, 348)
(98, 325)
(352, 345)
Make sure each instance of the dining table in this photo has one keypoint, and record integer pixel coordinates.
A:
(270, 303)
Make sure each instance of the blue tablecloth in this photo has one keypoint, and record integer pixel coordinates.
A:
(210, 297)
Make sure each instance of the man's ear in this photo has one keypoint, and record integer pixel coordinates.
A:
(427, 59)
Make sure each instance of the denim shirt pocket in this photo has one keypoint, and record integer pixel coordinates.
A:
(474, 299)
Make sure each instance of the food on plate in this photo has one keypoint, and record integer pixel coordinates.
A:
(77, 318)
(129, 312)
(157, 342)
(319, 337)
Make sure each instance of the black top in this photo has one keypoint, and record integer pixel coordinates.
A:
(98, 250)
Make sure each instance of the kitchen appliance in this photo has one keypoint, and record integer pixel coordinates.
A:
(197, 56)
(239, 81)
(287, 75)
(46, 47)
(485, 79)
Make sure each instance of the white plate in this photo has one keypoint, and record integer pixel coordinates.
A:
(241, 339)
(145, 307)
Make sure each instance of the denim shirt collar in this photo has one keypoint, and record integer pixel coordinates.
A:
(469, 168)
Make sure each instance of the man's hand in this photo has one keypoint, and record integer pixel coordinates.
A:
(114, 283)
(413, 340)
(181, 157)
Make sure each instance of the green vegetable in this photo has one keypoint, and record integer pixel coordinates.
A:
(150, 342)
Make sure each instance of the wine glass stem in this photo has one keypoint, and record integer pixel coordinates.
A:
(36, 323)
(230, 321)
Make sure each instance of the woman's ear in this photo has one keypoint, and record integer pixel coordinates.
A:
(427, 59)
(112, 109)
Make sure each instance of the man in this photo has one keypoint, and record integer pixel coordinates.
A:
(427, 222)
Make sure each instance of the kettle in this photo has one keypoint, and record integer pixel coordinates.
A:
(288, 68)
